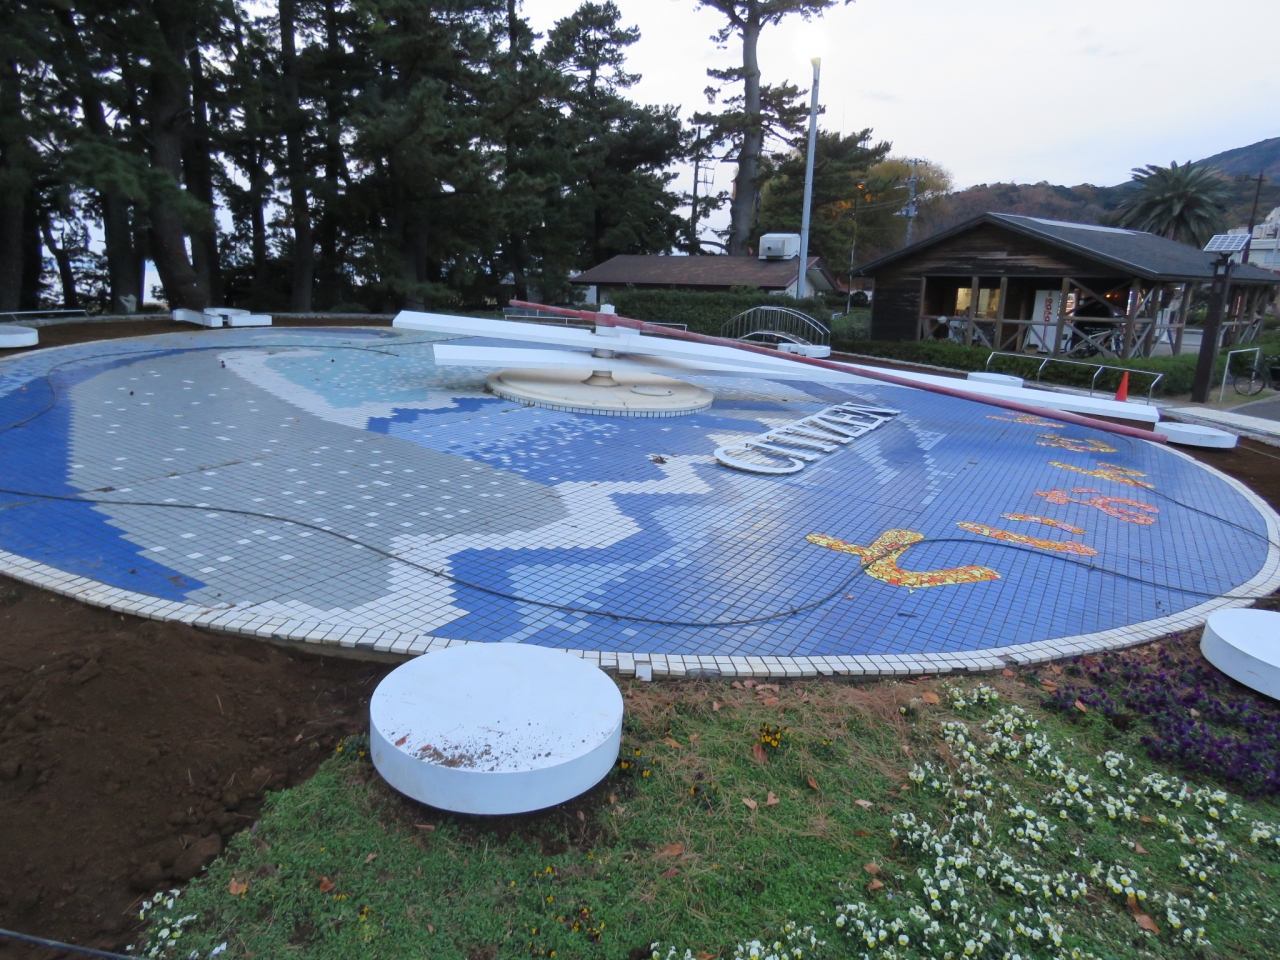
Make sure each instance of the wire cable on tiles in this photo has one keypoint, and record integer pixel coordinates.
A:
(561, 608)
(588, 611)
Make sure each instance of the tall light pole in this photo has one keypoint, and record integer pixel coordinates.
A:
(803, 278)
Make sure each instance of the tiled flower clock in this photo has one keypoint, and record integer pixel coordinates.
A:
(336, 487)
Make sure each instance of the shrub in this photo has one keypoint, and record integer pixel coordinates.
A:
(706, 311)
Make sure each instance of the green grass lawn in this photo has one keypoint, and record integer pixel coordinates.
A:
(819, 818)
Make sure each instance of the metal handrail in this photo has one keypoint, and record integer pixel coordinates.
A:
(1226, 371)
(777, 320)
(1098, 368)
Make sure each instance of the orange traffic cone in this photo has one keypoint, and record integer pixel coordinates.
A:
(1122, 392)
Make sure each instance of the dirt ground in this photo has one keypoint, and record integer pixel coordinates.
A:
(129, 749)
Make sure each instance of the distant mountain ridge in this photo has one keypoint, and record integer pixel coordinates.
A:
(1086, 203)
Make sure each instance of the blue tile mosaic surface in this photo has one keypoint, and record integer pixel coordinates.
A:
(340, 476)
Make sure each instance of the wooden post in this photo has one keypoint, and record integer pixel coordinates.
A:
(1131, 317)
(974, 290)
(1062, 316)
(920, 331)
(1182, 318)
(1004, 295)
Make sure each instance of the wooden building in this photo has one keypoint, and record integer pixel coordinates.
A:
(1024, 284)
(637, 271)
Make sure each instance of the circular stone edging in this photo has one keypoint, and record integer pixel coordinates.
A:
(329, 638)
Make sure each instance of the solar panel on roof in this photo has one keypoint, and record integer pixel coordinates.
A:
(1227, 243)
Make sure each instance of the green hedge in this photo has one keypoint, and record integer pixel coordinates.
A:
(1179, 371)
(706, 312)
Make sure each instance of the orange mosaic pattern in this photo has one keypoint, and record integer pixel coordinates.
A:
(1047, 521)
(1073, 444)
(880, 561)
(1109, 471)
(1122, 508)
(1056, 546)
(1028, 419)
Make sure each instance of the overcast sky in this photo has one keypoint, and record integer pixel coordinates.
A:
(1068, 91)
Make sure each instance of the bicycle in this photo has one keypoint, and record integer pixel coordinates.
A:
(1263, 373)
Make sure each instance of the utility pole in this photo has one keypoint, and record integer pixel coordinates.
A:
(1253, 214)
(853, 247)
(802, 280)
(910, 211)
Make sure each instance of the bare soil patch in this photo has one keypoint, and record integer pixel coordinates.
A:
(130, 749)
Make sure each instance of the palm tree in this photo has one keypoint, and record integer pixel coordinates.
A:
(1185, 203)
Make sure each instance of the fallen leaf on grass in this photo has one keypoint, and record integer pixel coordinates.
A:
(431, 928)
(707, 956)
(814, 783)
(930, 697)
(864, 804)
(1138, 848)
(237, 887)
(760, 688)
(671, 850)
(424, 826)
(748, 684)
(771, 701)
(613, 798)
(1049, 685)
(736, 685)
(1144, 920)
(874, 885)
(771, 799)
(1081, 707)
(1144, 818)
(862, 833)
(326, 884)
(757, 751)
(1007, 672)
(871, 868)
(582, 816)
(370, 858)
(668, 874)
(714, 706)
(751, 804)
(1056, 669)
(672, 743)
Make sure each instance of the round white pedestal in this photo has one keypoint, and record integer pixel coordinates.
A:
(1245, 645)
(12, 335)
(495, 728)
(628, 395)
(982, 376)
(1194, 435)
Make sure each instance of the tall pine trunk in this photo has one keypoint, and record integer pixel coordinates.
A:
(122, 276)
(329, 280)
(197, 164)
(167, 109)
(303, 242)
(13, 190)
(746, 184)
(66, 275)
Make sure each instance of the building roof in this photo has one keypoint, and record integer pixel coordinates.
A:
(1131, 252)
(701, 271)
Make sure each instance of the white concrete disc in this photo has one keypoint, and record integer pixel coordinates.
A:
(631, 395)
(1194, 435)
(12, 335)
(495, 728)
(1245, 645)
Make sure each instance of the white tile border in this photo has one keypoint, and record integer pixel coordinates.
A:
(325, 637)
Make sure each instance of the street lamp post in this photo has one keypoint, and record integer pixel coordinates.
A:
(802, 279)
